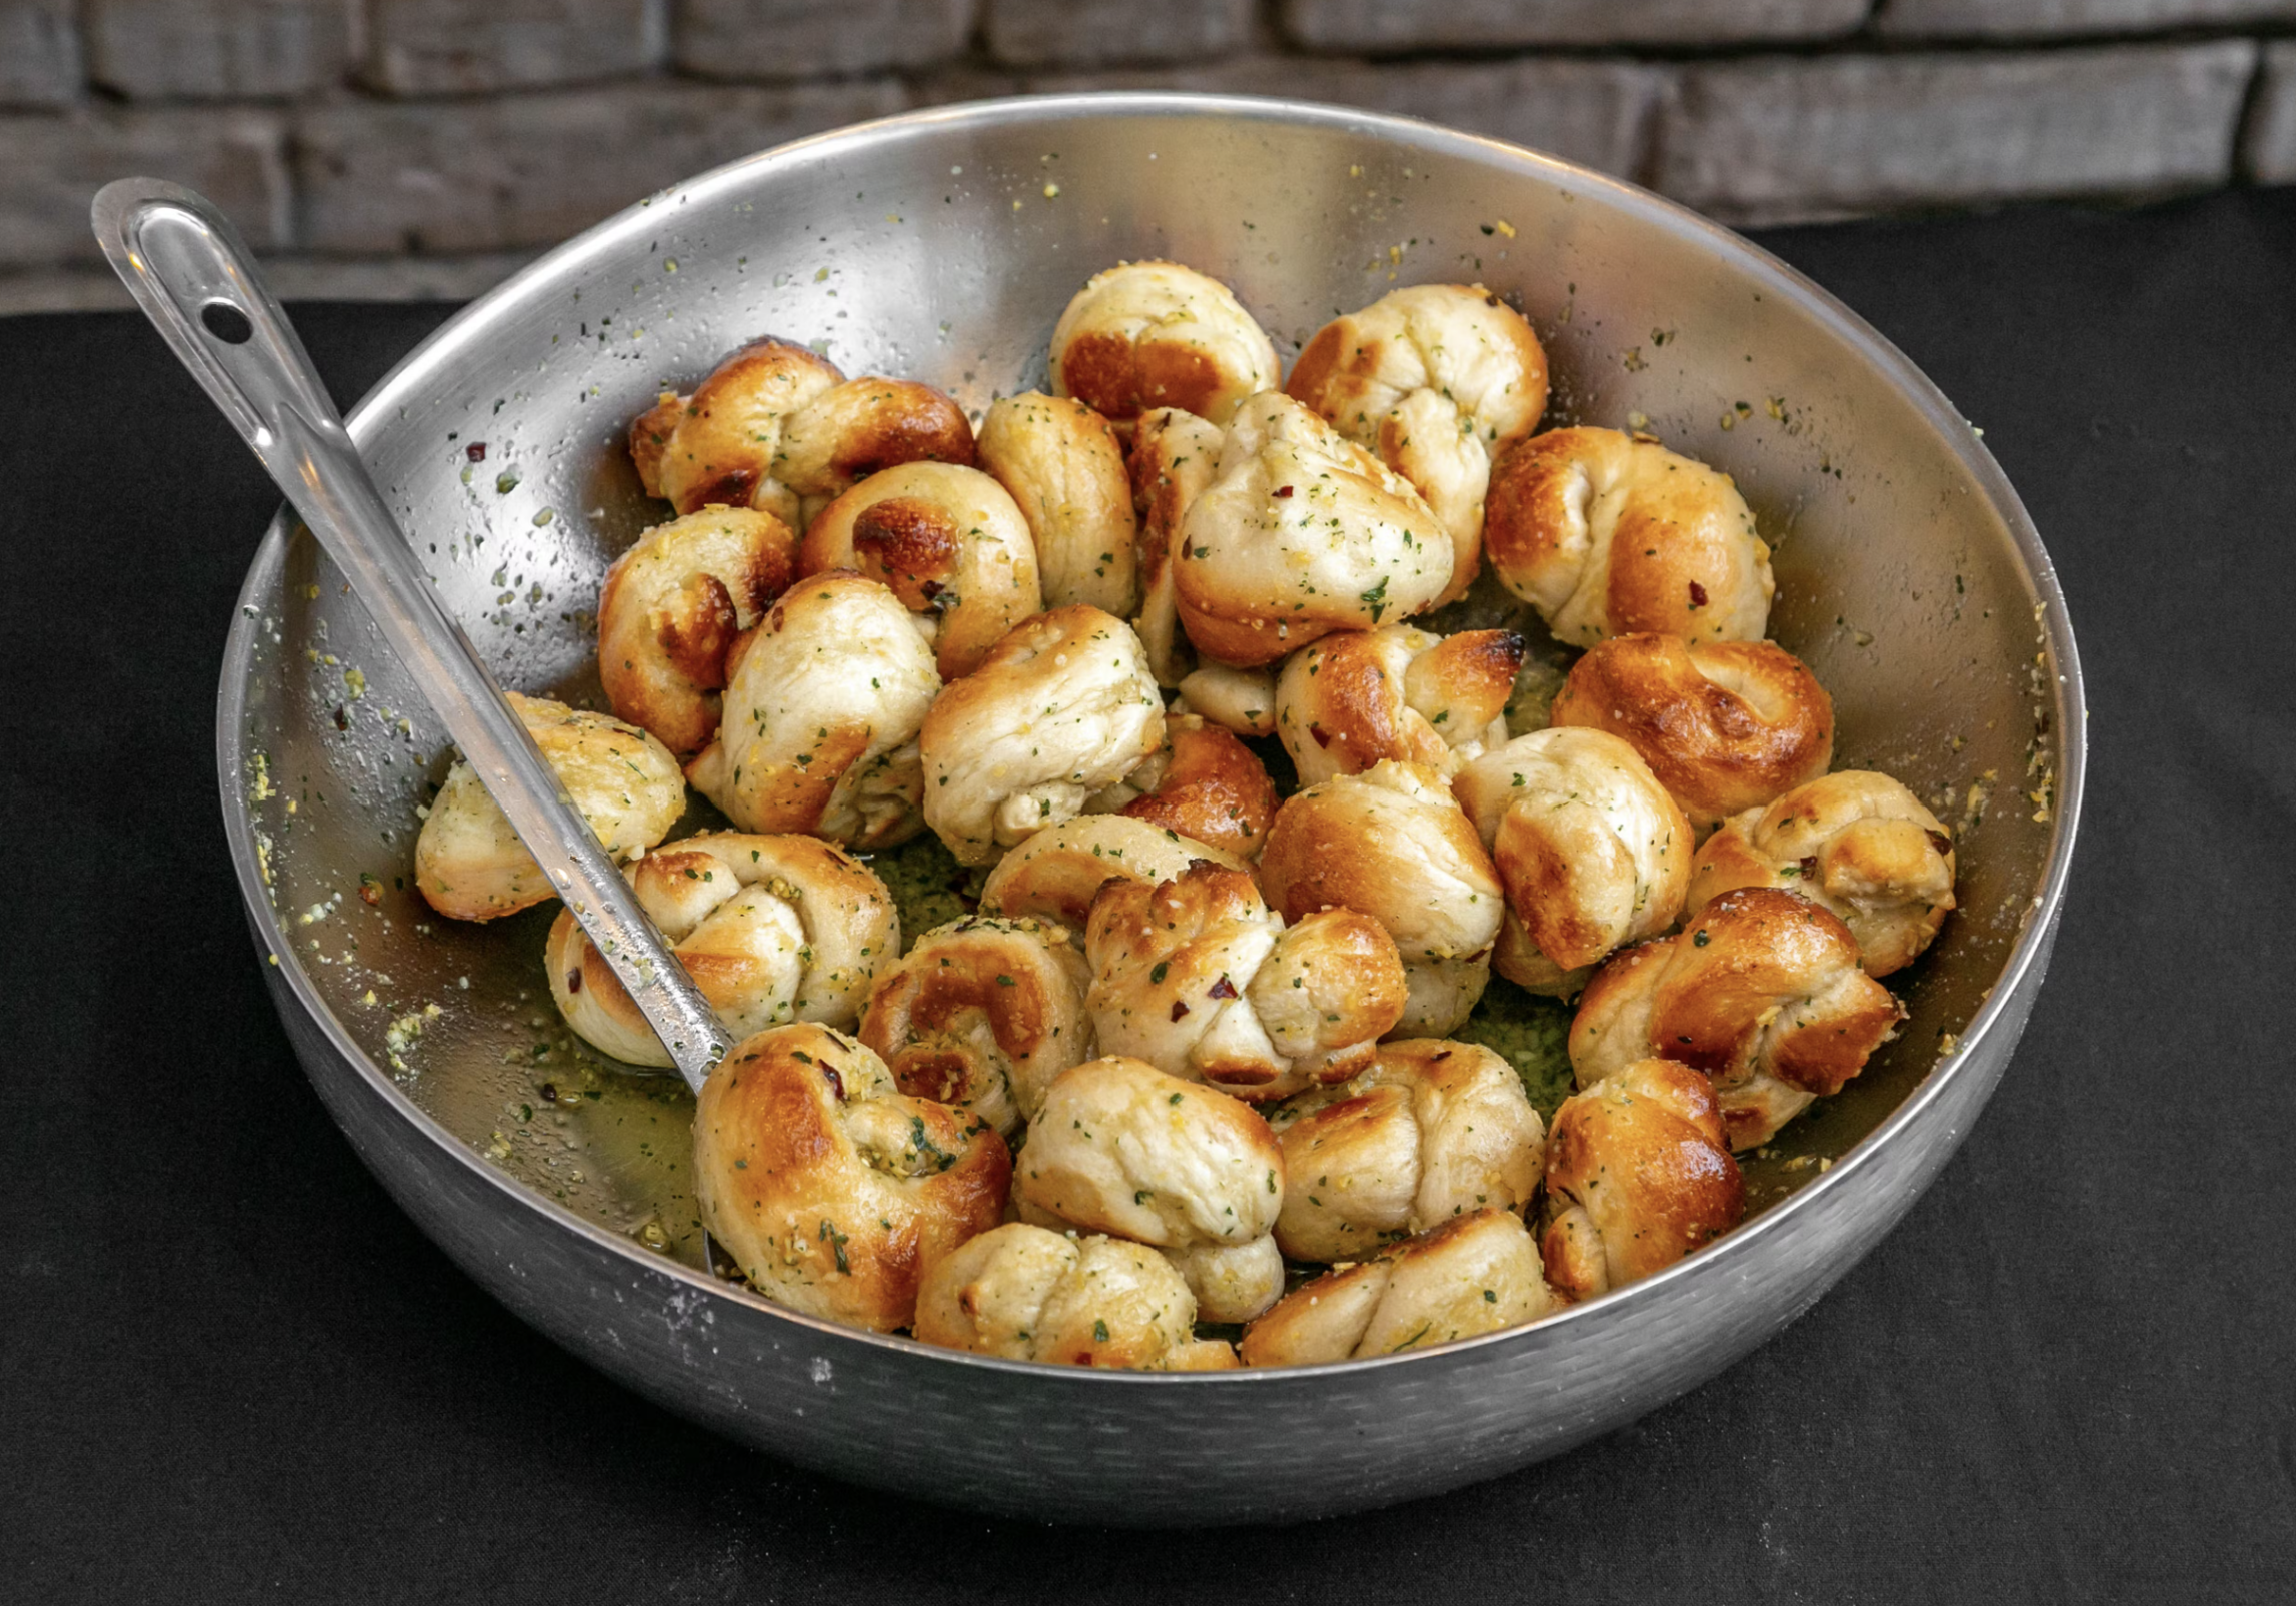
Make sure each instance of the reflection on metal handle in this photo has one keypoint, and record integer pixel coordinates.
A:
(193, 276)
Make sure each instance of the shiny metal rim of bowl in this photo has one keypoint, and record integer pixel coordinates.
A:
(1115, 1446)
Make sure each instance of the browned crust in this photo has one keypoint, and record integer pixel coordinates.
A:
(1215, 789)
(1120, 379)
(1672, 556)
(1857, 841)
(1546, 888)
(649, 437)
(1142, 921)
(784, 1167)
(1309, 865)
(1476, 670)
(1717, 752)
(1335, 365)
(1744, 953)
(1355, 704)
(1675, 549)
(695, 630)
(916, 1003)
(901, 422)
(1524, 508)
(1246, 643)
(1321, 362)
(732, 484)
(910, 545)
(1643, 1153)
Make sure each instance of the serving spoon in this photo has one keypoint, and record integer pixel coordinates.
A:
(196, 280)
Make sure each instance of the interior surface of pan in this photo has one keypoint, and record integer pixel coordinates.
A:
(941, 246)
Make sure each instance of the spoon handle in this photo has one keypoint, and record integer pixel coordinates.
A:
(194, 278)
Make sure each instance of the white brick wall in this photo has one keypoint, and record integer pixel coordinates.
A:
(431, 144)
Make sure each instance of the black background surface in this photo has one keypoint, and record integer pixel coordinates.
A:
(229, 1367)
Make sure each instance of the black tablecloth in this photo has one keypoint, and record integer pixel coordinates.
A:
(230, 1367)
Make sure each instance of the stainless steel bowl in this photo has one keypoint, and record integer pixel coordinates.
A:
(942, 245)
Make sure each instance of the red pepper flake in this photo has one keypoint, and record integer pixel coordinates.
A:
(574, 979)
(835, 1081)
(1810, 867)
(1322, 738)
(1283, 490)
(1697, 596)
(1178, 1010)
(1223, 987)
(475, 451)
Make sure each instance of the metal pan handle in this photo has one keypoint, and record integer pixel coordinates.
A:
(195, 280)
